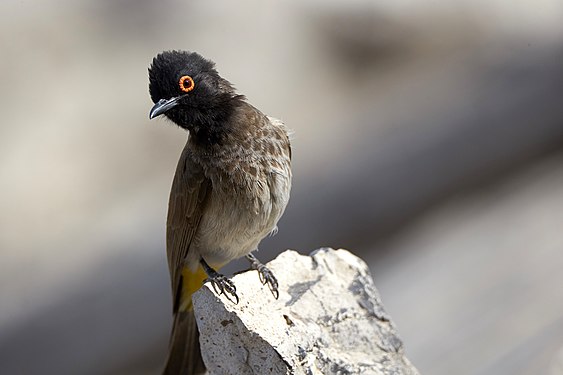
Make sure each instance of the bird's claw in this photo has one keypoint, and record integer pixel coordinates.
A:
(267, 277)
(222, 285)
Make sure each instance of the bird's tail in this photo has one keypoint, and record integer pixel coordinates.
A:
(184, 355)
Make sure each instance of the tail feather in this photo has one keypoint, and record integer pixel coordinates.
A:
(184, 355)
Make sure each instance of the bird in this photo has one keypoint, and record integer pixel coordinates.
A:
(231, 186)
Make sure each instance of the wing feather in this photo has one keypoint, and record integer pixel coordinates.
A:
(188, 198)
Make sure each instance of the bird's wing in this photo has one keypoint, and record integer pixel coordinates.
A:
(188, 198)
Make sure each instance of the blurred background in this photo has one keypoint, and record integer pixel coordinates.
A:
(427, 140)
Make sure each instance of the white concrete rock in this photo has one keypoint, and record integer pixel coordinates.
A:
(328, 320)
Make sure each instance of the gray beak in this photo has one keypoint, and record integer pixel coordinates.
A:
(163, 106)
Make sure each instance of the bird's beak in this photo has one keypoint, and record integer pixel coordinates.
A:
(163, 106)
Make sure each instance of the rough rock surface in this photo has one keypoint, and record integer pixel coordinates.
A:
(328, 320)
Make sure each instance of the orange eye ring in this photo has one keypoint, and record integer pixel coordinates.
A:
(186, 83)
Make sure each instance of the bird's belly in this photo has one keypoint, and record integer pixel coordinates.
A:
(234, 224)
(230, 230)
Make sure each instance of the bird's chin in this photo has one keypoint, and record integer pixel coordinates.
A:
(178, 118)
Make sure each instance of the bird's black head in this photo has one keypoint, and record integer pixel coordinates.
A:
(188, 90)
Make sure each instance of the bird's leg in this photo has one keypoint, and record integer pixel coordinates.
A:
(266, 276)
(221, 284)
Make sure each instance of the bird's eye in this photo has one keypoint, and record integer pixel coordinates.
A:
(186, 83)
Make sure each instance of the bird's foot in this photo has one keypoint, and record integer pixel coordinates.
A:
(221, 284)
(266, 276)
